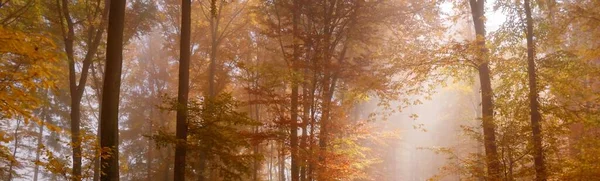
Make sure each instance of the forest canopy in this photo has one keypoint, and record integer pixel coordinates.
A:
(299, 90)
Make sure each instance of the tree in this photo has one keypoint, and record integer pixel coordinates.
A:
(538, 153)
(487, 105)
(109, 111)
(183, 91)
(77, 86)
(295, 167)
(28, 64)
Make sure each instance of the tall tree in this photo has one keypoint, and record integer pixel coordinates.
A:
(538, 155)
(109, 111)
(44, 114)
(13, 163)
(487, 106)
(214, 28)
(295, 169)
(182, 94)
(76, 89)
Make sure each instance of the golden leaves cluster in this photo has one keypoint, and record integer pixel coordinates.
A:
(27, 65)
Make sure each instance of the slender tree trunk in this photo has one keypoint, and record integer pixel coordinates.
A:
(305, 120)
(76, 90)
(281, 161)
(75, 136)
(212, 69)
(477, 111)
(538, 154)
(109, 112)
(312, 140)
(214, 25)
(150, 148)
(294, 99)
(96, 176)
(182, 96)
(97, 88)
(15, 149)
(487, 106)
(324, 122)
(271, 162)
(40, 136)
(312, 101)
(257, 164)
(510, 175)
(75, 98)
(324, 128)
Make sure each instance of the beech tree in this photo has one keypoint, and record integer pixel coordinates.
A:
(109, 111)
(487, 105)
(540, 169)
(182, 94)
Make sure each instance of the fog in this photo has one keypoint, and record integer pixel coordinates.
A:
(299, 90)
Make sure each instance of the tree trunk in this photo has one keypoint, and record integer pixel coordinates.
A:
(214, 25)
(96, 176)
(257, 162)
(271, 162)
(75, 98)
(14, 155)
(75, 136)
(182, 96)
(40, 136)
(305, 120)
(97, 87)
(109, 111)
(311, 139)
(294, 99)
(324, 122)
(487, 107)
(281, 161)
(76, 90)
(477, 111)
(149, 155)
(212, 69)
(538, 154)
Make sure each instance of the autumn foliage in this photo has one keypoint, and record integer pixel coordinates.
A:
(300, 90)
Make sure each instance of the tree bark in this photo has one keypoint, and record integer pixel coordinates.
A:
(75, 98)
(305, 120)
(76, 90)
(312, 166)
(487, 106)
(214, 25)
(538, 154)
(109, 112)
(182, 96)
(324, 122)
(294, 97)
(97, 87)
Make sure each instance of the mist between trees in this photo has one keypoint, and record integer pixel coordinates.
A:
(299, 90)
